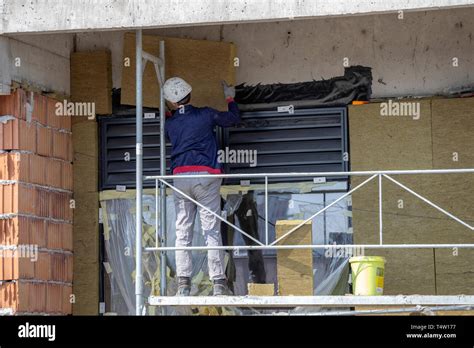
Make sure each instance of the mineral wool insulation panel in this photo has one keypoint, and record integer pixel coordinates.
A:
(202, 63)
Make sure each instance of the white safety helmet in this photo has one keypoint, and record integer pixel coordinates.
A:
(175, 89)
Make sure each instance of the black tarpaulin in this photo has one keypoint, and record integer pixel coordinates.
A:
(356, 84)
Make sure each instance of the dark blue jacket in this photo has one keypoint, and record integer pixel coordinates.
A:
(193, 138)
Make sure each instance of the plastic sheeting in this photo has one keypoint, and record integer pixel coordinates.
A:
(330, 270)
(120, 249)
(331, 266)
(356, 84)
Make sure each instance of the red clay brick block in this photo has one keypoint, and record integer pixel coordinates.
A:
(35, 169)
(40, 112)
(61, 267)
(16, 265)
(66, 123)
(29, 297)
(68, 271)
(14, 166)
(15, 295)
(20, 198)
(59, 206)
(67, 237)
(8, 265)
(37, 298)
(66, 303)
(27, 199)
(30, 168)
(70, 149)
(14, 104)
(37, 232)
(54, 298)
(10, 201)
(54, 120)
(19, 166)
(67, 176)
(22, 230)
(62, 145)
(56, 262)
(44, 141)
(23, 304)
(59, 236)
(14, 231)
(1, 268)
(4, 173)
(17, 134)
(42, 266)
(37, 166)
(53, 173)
(42, 204)
(55, 235)
(26, 266)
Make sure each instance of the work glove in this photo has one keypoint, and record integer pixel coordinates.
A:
(229, 91)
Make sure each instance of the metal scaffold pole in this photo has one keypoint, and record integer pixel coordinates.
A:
(139, 176)
(163, 285)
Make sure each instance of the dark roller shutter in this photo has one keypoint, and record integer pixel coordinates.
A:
(117, 137)
(309, 140)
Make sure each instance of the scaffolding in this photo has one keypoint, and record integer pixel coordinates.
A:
(161, 183)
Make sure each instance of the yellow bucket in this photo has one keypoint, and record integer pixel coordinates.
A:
(367, 275)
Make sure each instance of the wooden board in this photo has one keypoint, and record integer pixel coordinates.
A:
(91, 79)
(203, 64)
(294, 266)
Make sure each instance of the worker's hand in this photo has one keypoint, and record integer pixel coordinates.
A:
(229, 91)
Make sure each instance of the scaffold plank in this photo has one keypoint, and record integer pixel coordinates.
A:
(301, 301)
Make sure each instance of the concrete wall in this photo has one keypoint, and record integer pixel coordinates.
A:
(38, 60)
(410, 56)
(26, 16)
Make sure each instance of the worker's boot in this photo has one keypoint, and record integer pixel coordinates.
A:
(184, 286)
(221, 288)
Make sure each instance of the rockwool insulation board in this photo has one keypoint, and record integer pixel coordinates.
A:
(450, 130)
(294, 266)
(86, 218)
(393, 142)
(202, 63)
(453, 147)
(389, 142)
(255, 289)
(91, 79)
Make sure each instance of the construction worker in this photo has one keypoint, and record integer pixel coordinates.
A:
(191, 131)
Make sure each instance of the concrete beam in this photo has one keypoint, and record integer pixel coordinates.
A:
(43, 64)
(42, 16)
(5, 66)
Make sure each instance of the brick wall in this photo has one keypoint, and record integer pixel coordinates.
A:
(36, 216)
